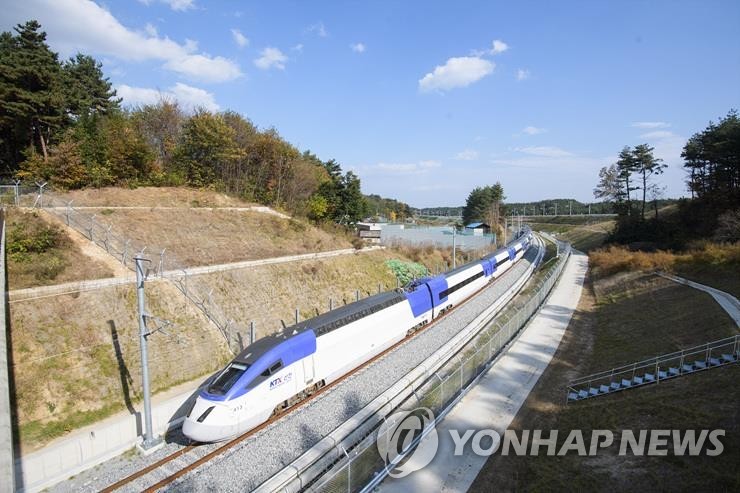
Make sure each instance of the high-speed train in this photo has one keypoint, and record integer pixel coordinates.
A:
(279, 370)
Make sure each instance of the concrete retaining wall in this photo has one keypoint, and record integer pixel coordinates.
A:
(7, 477)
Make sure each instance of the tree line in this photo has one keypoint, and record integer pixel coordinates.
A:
(61, 122)
(712, 162)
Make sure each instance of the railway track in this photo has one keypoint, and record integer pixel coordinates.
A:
(155, 484)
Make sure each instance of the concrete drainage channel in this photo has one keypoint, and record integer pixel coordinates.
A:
(347, 459)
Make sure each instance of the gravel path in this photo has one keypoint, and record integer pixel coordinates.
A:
(247, 465)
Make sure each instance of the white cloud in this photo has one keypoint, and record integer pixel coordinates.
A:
(180, 4)
(298, 48)
(189, 97)
(651, 124)
(544, 151)
(177, 5)
(205, 68)
(317, 29)
(467, 155)
(84, 26)
(357, 47)
(522, 74)
(456, 72)
(151, 30)
(530, 130)
(408, 168)
(658, 134)
(497, 47)
(239, 38)
(271, 58)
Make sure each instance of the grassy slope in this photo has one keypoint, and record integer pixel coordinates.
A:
(207, 237)
(151, 197)
(584, 237)
(92, 378)
(48, 262)
(622, 319)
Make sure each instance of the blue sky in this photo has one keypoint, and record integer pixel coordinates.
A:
(426, 100)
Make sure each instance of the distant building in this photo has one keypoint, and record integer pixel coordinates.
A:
(478, 229)
(370, 232)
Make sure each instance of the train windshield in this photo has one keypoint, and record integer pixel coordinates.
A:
(227, 378)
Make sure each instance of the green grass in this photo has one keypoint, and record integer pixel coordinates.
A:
(722, 277)
(42, 432)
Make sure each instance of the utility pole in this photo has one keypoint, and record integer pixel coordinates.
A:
(589, 209)
(150, 443)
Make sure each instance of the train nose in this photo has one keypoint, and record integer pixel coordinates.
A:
(199, 432)
(209, 422)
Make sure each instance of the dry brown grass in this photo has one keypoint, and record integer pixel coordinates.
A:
(67, 367)
(614, 259)
(151, 197)
(436, 259)
(271, 293)
(207, 237)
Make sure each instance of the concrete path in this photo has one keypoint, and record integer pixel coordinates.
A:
(729, 303)
(78, 286)
(254, 208)
(494, 402)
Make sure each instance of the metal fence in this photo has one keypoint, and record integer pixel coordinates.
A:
(162, 264)
(363, 468)
(653, 370)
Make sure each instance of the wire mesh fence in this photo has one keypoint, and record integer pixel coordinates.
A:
(161, 264)
(362, 466)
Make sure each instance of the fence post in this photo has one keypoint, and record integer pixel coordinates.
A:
(297, 316)
(40, 198)
(252, 333)
(92, 226)
(331, 304)
(357, 295)
(161, 262)
(16, 186)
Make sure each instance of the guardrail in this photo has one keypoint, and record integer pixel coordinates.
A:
(654, 370)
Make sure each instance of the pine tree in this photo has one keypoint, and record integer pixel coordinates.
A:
(646, 165)
(32, 103)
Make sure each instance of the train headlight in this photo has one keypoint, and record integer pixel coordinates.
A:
(205, 414)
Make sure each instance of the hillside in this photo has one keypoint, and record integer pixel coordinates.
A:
(621, 319)
(88, 340)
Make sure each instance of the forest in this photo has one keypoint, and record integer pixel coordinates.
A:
(712, 165)
(61, 122)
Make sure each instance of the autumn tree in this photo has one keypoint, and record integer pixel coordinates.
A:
(206, 148)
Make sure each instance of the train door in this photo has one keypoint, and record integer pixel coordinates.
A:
(308, 370)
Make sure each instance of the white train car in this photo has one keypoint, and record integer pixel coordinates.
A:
(279, 370)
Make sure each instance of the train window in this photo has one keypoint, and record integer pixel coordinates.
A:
(227, 378)
(273, 369)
